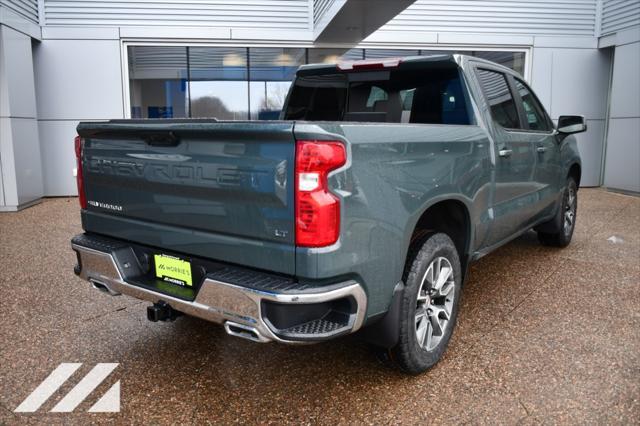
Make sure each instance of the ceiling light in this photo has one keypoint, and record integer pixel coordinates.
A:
(284, 60)
(331, 59)
(233, 60)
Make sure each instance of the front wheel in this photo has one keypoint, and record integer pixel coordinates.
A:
(430, 304)
(568, 211)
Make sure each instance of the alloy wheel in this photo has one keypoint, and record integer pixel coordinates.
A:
(569, 211)
(434, 303)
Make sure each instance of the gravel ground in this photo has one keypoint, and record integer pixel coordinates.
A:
(544, 336)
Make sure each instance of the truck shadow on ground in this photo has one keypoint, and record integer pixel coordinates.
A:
(219, 361)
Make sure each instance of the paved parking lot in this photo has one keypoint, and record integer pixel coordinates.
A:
(544, 336)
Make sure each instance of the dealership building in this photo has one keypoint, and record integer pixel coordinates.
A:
(64, 61)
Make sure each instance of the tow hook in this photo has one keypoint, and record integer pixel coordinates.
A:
(161, 311)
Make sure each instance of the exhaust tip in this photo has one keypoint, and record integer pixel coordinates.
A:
(103, 287)
(244, 331)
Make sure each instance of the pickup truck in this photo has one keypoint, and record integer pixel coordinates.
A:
(359, 210)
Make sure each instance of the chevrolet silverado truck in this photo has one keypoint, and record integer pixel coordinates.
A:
(359, 210)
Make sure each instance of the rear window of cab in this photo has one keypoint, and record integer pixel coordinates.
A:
(390, 96)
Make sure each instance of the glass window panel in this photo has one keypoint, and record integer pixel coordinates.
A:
(218, 63)
(377, 95)
(403, 96)
(218, 85)
(513, 60)
(333, 56)
(271, 73)
(267, 99)
(536, 117)
(441, 52)
(503, 107)
(223, 100)
(318, 98)
(158, 81)
(274, 64)
(388, 53)
(163, 86)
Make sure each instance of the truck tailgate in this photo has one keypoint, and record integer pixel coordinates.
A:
(221, 190)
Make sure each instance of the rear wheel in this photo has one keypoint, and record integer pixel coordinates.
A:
(567, 219)
(429, 306)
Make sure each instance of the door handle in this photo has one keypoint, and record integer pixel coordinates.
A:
(505, 153)
(541, 149)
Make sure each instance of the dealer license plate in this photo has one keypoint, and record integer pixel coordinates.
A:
(173, 270)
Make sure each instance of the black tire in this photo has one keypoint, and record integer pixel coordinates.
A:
(409, 354)
(569, 207)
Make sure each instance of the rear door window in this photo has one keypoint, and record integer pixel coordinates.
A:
(496, 90)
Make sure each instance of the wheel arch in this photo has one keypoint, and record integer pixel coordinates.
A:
(575, 171)
(446, 214)
(450, 216)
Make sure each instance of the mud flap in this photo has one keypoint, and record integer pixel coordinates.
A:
(385, 332)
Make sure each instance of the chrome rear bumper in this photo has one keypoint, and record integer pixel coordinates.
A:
(239, 309)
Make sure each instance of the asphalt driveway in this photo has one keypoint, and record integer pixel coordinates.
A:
(544, 336)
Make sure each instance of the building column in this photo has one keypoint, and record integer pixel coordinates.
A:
(20, 163)
(622, 164)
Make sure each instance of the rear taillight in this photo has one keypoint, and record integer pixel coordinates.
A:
(79, 177)
(317, 209)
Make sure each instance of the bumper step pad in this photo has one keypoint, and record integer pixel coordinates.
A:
(319, 327)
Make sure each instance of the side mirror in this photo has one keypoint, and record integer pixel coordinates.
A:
(570, 124)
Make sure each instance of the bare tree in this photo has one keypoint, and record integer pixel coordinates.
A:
(210, 106)
(275, 98)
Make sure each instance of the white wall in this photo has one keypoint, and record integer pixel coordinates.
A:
(261, 14)
(533, 17)
(20, 163)
(575, 80)
(75, 80)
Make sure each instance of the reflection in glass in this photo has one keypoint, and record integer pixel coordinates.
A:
(218, 63)
(239, 83)
(275, 64)
(513, 60)
(442, 52)
(267, 99)
(271, 72)
(537, 118)
(157, 81)
(218, 83)
(223, 100)
(333, 56)
(388, 53)
(496, 89)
